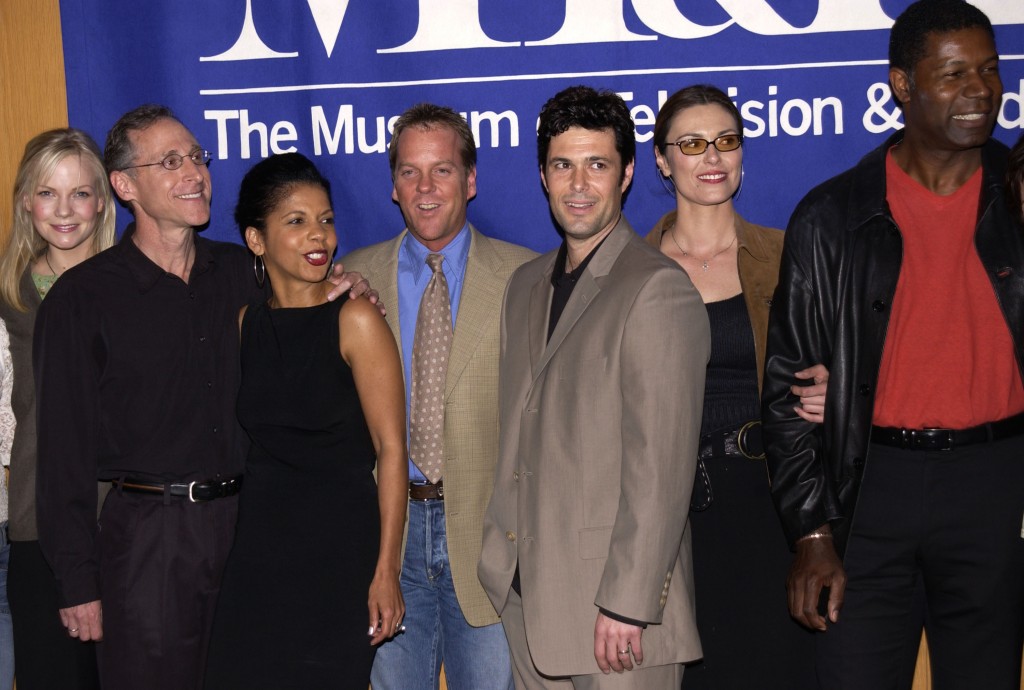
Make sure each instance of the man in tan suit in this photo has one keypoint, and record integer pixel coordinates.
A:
(448, 616)
(603, 352)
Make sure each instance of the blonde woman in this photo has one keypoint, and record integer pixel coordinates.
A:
(63, 214)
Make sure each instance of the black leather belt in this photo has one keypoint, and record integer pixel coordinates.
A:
(196, 492)
(947, 439)
(742, 442)
(426, 492)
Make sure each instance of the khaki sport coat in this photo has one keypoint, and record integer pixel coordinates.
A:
(471, 395)
(599, 433)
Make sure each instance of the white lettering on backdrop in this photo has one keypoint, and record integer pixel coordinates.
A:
(455, 24)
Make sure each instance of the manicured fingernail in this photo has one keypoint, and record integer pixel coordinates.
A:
(371, 630)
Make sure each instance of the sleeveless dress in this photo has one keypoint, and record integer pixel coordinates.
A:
(292, 611)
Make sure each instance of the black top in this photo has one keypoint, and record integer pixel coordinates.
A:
(564, 282)
(136, 375)
(299, 404)
(730, 390)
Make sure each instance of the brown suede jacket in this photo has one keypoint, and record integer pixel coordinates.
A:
(758, 257)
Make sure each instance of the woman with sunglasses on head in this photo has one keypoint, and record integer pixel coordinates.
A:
(63, 214)
(740, 555)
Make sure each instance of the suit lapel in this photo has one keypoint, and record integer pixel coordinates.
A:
(386, 267)
(539, 314)
(583, 294)
(482, 292)
(582, 297)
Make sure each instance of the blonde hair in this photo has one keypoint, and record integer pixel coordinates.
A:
(42, 156)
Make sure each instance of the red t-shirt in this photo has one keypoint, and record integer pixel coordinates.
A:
(948, 360)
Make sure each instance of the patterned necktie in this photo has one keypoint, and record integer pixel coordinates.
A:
(430, 348)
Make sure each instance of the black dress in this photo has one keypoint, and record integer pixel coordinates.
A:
(740, 554)
(292, 611)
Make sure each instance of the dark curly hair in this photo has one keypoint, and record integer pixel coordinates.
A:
(268, 182)
(908, 39)
(582, 106)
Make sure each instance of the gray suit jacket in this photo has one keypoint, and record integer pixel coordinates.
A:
(599, 437)
(471, 395)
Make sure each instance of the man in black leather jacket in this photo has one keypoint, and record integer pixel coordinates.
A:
(937, 526)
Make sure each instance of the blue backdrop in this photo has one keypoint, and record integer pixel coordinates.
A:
(327, 77)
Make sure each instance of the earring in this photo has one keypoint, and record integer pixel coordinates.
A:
(667, 183)
(259, 269)
(739, 187)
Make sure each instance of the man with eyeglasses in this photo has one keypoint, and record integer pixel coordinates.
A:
(136, 362)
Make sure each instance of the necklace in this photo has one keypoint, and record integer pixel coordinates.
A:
(46, 256)
(704, 263)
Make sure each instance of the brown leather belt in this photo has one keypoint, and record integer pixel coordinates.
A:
(426, 492)
(195, 492)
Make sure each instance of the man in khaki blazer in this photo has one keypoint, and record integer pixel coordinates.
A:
(448, 616)
(603, 352)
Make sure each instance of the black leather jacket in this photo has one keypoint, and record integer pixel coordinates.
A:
(840, 264)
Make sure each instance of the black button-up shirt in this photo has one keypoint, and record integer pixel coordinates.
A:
(136, 375)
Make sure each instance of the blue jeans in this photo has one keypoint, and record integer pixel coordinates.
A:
(6, 631)
(436, 631)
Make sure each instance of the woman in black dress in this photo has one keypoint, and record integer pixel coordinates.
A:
(740, 556)
(316, 558)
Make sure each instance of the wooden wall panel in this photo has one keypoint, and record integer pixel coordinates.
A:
(32, 94)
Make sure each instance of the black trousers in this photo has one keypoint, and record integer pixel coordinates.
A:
(161, 561)
(942, 528)
(46, 658)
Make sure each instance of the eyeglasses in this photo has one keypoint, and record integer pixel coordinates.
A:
(173, 161)
(695, 147)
